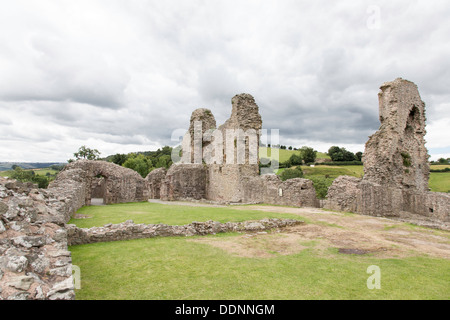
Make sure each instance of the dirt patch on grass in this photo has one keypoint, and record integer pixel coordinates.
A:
(347, 232)
(378, 237)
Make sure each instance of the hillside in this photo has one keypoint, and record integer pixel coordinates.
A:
(5, 166)
(286, 154)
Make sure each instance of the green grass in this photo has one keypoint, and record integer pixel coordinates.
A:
(153, 213)
(440, 181)
(179, 269)
(41, 172)
(284, 155)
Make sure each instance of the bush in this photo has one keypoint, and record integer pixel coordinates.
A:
(291, 174)
(440, 170)
(341, 154)
(139, 163)
(29, 176)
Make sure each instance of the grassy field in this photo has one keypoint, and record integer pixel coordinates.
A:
(286, 154)
(153, 213)
(41, 172)
(439, 181)
(184, 269)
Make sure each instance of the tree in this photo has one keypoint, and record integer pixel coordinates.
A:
(295, 160)
(87, 153)
(164, 161)
(341, 154)
(139, 163)
(358, 156)
(119, 158)
(308, 154)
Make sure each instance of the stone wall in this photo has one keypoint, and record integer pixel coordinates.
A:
(184, 181)
(129, 230)
(154, 181)
(34, 260)
(396, 155)
(293, 192)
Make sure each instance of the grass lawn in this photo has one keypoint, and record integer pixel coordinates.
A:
(179, 268)
(153, 213)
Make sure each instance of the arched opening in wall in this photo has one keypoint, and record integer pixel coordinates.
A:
(98, 190)
(413, 121)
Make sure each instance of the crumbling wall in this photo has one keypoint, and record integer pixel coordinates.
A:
(154, 181)
(120, 184)
(396, 169)
(34, 260)
(292, 192)
(396, 155)
(184, 181)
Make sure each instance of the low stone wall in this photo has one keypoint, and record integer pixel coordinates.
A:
(351, 194)
(296, 192)
(129, 230)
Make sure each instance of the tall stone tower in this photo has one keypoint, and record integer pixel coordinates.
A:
(241, 133)
(396, 155)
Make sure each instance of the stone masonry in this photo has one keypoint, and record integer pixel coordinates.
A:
(34, 259)
(396, 155)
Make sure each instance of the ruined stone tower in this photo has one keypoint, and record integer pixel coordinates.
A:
(396, 155)
(396, 168)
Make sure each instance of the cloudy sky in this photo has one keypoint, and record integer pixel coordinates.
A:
(122, 76)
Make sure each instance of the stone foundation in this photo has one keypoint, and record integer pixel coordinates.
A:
(128, 230)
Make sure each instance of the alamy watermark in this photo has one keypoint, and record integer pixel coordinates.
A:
(374, 281)
(76, 274)
(373, 22)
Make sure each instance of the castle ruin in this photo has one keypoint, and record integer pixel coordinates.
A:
(34, 235)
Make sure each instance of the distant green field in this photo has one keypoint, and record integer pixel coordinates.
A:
(41, 172)
(265, 152)
(439, 182)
